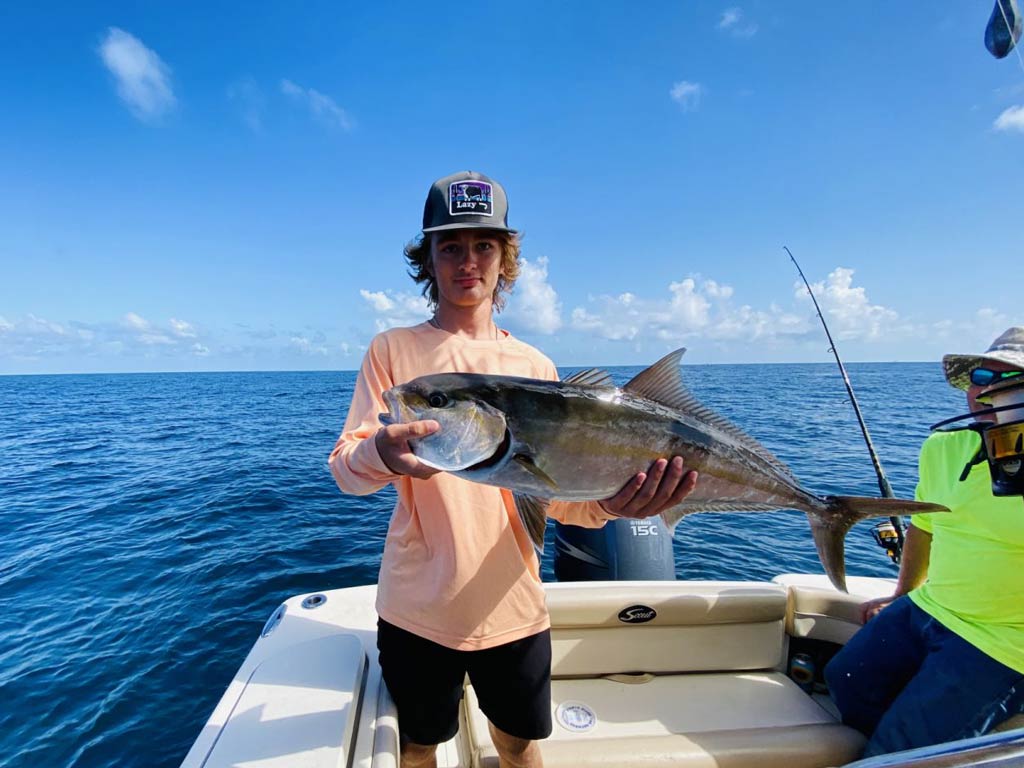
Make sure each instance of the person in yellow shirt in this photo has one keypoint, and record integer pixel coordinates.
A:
(943, 658)
(459, 589)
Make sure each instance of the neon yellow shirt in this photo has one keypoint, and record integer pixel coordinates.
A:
(975, 584)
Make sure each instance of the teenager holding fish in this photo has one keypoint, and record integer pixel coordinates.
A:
(943, 658)
(459, 589)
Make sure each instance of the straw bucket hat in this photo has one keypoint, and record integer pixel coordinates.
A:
(1008, 348)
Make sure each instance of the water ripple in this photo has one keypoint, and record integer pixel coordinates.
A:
(153, 522)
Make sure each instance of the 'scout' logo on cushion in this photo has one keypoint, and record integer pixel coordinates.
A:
(637, 614)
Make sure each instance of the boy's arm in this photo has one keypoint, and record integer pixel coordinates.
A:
(355, 462)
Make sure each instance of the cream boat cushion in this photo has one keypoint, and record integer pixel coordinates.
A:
(698, 684)
(710, 626)
(718, 720)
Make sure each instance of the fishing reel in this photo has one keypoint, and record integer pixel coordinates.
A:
(887, 537)
(1002, 440)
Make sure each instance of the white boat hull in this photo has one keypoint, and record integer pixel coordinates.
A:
(675, 673)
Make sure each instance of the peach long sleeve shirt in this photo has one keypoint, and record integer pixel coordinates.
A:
(458, 566)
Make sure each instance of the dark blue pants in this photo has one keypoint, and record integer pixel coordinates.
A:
(906, 681)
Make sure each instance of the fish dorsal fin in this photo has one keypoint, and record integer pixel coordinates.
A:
(662, 383)
(591, 377)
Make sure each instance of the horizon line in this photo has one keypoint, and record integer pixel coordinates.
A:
(356, 370)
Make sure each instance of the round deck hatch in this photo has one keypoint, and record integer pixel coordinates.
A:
(314, 601)
(575, 716)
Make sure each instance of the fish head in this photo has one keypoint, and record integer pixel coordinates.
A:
(472, 430)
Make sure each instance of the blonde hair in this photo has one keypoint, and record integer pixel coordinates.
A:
(417, 253)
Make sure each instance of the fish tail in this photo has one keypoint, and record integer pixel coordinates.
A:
(830, 526)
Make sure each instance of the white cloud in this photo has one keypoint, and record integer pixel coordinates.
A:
(736, 24)
(396, 308)
(38, 326)
(972, 333)
(308, 346)
(131, 320)
(143, 79)
(713, 289)
(1012, 119)
(730, 17)
(323, 107)
(182, 329)
(848, 311)
(613, 318)
(988, 323)
(693, 308)
(534, 304)
(33, 338)
(143, 331)
(687, 94)
(377, 299)
(133, 342)
(688, 304)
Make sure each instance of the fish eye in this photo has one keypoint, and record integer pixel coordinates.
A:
(437, 400)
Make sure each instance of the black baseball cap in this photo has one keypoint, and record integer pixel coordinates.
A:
(466, 200)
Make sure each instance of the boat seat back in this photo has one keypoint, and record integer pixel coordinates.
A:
(709, 626)
(680, 674)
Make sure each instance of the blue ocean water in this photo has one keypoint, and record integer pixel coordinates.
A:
(151, 523)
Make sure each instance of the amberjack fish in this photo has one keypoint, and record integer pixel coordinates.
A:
(583, 438)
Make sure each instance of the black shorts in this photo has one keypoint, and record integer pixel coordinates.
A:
(512, 682)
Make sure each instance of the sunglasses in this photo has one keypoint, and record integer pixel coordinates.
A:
(982, 377)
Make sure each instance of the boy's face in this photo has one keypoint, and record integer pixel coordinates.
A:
(466, 264)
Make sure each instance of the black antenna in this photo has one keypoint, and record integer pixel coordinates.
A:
(883, 481)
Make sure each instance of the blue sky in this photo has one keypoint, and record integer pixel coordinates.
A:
(187, 187)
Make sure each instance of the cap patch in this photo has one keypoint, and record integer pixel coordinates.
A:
(470, 197)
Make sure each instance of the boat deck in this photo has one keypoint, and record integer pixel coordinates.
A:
(699, 681)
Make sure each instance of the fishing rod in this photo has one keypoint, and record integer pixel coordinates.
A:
(883, 482)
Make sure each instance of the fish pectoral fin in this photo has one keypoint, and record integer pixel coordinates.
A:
(534, 514)
(527, 463)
